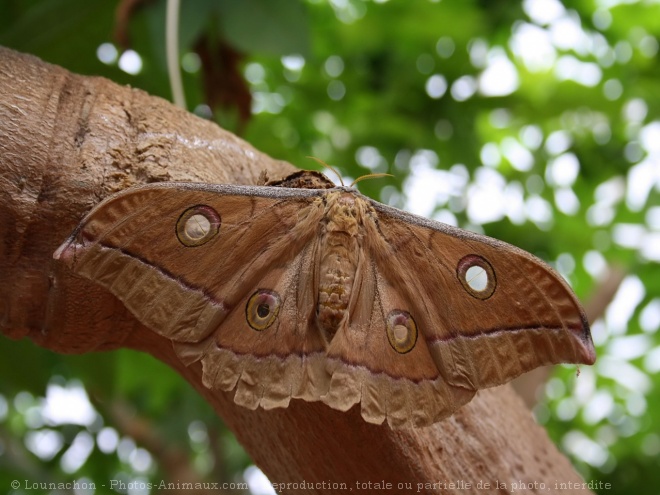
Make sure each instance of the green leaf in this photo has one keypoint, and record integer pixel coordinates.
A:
(275, 27)
(65, 32)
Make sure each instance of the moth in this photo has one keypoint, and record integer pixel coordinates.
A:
(309, 291)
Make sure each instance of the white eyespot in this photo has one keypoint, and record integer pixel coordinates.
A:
(401, 331)
(197, 225)
(477, 276)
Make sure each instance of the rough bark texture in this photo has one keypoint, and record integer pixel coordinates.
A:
(66, 142)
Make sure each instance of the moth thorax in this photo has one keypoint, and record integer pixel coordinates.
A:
(343, 213)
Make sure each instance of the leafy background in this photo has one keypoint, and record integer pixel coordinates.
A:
(536, 122)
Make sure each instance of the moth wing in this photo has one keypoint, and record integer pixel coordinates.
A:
(414, 274)
(523, 315)
(401, 386)
(269, 363)
(196, 293)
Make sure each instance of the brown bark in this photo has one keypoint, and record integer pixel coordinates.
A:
(68, 141)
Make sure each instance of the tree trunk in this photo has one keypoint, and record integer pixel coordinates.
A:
(68, 141)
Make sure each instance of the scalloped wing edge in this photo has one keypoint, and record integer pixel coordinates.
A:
(271, 382)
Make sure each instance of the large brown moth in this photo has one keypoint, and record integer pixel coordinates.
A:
(316, 292)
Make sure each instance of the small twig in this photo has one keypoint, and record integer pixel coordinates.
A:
(172, 48)
(602, 297)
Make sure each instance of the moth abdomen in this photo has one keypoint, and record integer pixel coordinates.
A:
(340, 250)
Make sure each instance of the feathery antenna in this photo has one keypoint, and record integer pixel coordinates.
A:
(318, 160)
(363, 177)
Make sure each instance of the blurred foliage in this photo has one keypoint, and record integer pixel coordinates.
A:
(536, 122)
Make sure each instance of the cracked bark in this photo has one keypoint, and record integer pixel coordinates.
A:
(68, 141)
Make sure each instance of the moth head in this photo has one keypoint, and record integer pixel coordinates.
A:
(341, 180)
